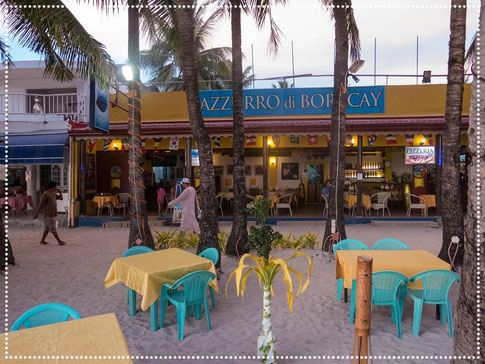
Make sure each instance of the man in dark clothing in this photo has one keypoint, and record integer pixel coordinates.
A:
(49, 202)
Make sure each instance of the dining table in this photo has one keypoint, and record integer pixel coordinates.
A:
(17, 203)
(352, 200)
(147, 273)
(95, 338)
(429, 200)
(101, 200)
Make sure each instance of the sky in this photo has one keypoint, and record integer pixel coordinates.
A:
(392, 25)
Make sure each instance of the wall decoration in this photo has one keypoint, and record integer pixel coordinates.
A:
(115, 172)
(290, 171)
(230, 168)
(218, 170)
(90, 182)
(258, 170)
(247, 170)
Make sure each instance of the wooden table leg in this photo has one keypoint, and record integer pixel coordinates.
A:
(345, 295)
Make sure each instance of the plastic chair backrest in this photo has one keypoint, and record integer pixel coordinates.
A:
(45, 314)
(390, 244)
(135, 250)
(195, 285)
(350, 244)
(385, 285)
(286, 198)
(211, 254)
(381, 196)
(123, 197)
(436, 284)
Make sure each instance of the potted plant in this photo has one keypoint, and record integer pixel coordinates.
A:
(266, 268)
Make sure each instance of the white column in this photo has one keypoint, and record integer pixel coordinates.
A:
(33, 183)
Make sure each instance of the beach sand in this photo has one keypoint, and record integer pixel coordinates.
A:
(74, 275)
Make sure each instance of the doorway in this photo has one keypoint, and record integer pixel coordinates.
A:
(315, 179)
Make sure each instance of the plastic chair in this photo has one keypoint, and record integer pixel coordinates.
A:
(390, 244)
(284, 202)
(325, 207)
(347, 244)
(45, 314)
(382, 199)
(436, 286)
(135, 250)
(123, 199)
(213, 255)
(388, 289)
(107, 205)
(192, 296)
(421, 205)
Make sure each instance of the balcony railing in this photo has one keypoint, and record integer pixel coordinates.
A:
(72, 107)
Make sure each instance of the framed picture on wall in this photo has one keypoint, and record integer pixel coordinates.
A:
(229, 169)
(258, 170)
(90, 183)
(290, 171)
(247, 170)
(218, 170)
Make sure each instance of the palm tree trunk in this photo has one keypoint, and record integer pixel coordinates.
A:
(466, 330)
(451, 204)
(140, 233)
(239, 233)
(208, 222)
(267, 340)
(338, 128)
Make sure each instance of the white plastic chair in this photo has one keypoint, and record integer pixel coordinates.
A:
(122, 201)
(284, 202)
(325, 207)
(107, 205)
(168, 198)
(418, 206)
(220, 197)
(382, 198)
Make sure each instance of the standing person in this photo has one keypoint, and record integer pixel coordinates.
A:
(160, 199)
(49, 202)
(190, 207)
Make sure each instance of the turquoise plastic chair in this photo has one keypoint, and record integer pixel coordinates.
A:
(388, 289)
(45, 314)
(213, 255)
(193, 296)
(347, 244)
(436, 286)
(390, 244)
(136, 250)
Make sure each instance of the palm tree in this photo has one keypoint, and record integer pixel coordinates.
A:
(208, 222)
(261, 11)
(345, 31)
(59, 37)
(467, 308)
(451, 203)
(282, 84)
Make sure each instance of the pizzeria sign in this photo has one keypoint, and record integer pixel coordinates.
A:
(420, 155)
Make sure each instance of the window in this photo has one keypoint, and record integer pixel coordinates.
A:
(65, 175)
(56, 174)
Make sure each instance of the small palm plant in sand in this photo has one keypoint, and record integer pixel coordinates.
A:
(266, 268)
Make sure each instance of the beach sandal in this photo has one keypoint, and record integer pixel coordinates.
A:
(44, 242)
(61, 242)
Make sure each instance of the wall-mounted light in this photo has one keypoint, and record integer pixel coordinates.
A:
(115, 145)
(423, 140)
(272, 161)
(353, 142)
(270, 141)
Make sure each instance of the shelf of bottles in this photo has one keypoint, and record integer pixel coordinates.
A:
(373, 171)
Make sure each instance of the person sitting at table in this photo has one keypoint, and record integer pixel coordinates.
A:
(190, 207)
(326, 189)
(48, 201)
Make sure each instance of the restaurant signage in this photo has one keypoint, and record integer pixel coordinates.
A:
(99, 107)
(420, 155)
(292, 101)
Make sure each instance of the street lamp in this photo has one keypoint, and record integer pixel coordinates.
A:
(127, 72)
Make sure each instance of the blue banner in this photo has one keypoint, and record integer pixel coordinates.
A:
(292, 101)
(99, 108)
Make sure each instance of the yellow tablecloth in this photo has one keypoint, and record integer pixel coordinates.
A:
(429, 200)
(91, 336)
(352, 200)
(407, 262)
(146, 273)
(101, 200)
(273, 199)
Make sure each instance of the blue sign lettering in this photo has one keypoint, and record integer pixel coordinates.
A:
(291, 101)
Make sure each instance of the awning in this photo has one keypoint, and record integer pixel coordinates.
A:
(33, 149)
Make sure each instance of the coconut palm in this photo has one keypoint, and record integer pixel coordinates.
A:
(58, 36)
(163, 60)
(450, 195)
(467, 308)
(282, 84)
(346, 32)
(261, 12)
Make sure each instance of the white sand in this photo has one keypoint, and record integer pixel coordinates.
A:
(74, 275)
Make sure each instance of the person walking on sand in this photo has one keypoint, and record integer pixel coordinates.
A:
(49, 202)
(190, 207)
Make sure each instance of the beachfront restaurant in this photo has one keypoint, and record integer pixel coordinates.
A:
(393, 145)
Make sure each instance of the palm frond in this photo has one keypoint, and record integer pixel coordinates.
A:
(57, 35)
(4, 52)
